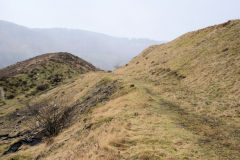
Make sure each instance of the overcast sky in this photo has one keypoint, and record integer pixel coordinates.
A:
(154, 19)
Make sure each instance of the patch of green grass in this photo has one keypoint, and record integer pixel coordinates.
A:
(104, 81)
(51, 74)
(19, 157)
(103, 120)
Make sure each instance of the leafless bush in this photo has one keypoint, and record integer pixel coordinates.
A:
(42, 87)
(50, 118)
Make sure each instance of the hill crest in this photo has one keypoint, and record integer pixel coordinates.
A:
(74, 62)
(41, 73)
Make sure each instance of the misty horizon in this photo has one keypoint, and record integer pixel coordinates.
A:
(79, 29)
(156, 20)
(20, 43)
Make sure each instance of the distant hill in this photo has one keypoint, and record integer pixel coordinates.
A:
(18, 43)
(41, 73)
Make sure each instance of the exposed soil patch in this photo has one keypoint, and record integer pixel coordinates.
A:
(31, 141)
(102, 91)
(7, 136)
(167, 72)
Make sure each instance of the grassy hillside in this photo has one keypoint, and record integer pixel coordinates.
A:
(203, 64)
(178, 100)
(39, 74)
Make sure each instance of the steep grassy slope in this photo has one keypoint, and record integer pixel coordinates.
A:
(178, 100)
(37, 75)
(198, 77)
(204, 64)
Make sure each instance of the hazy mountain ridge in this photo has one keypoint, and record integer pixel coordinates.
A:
(18, 43)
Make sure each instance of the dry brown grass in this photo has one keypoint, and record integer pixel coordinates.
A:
(184, 104)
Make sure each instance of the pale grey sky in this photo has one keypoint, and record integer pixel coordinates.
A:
(154, 19)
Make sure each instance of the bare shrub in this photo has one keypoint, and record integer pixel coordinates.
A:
(50, 118)
(42, 87)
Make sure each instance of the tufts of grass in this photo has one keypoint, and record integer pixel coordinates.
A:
(40, 79)
(102, 120)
